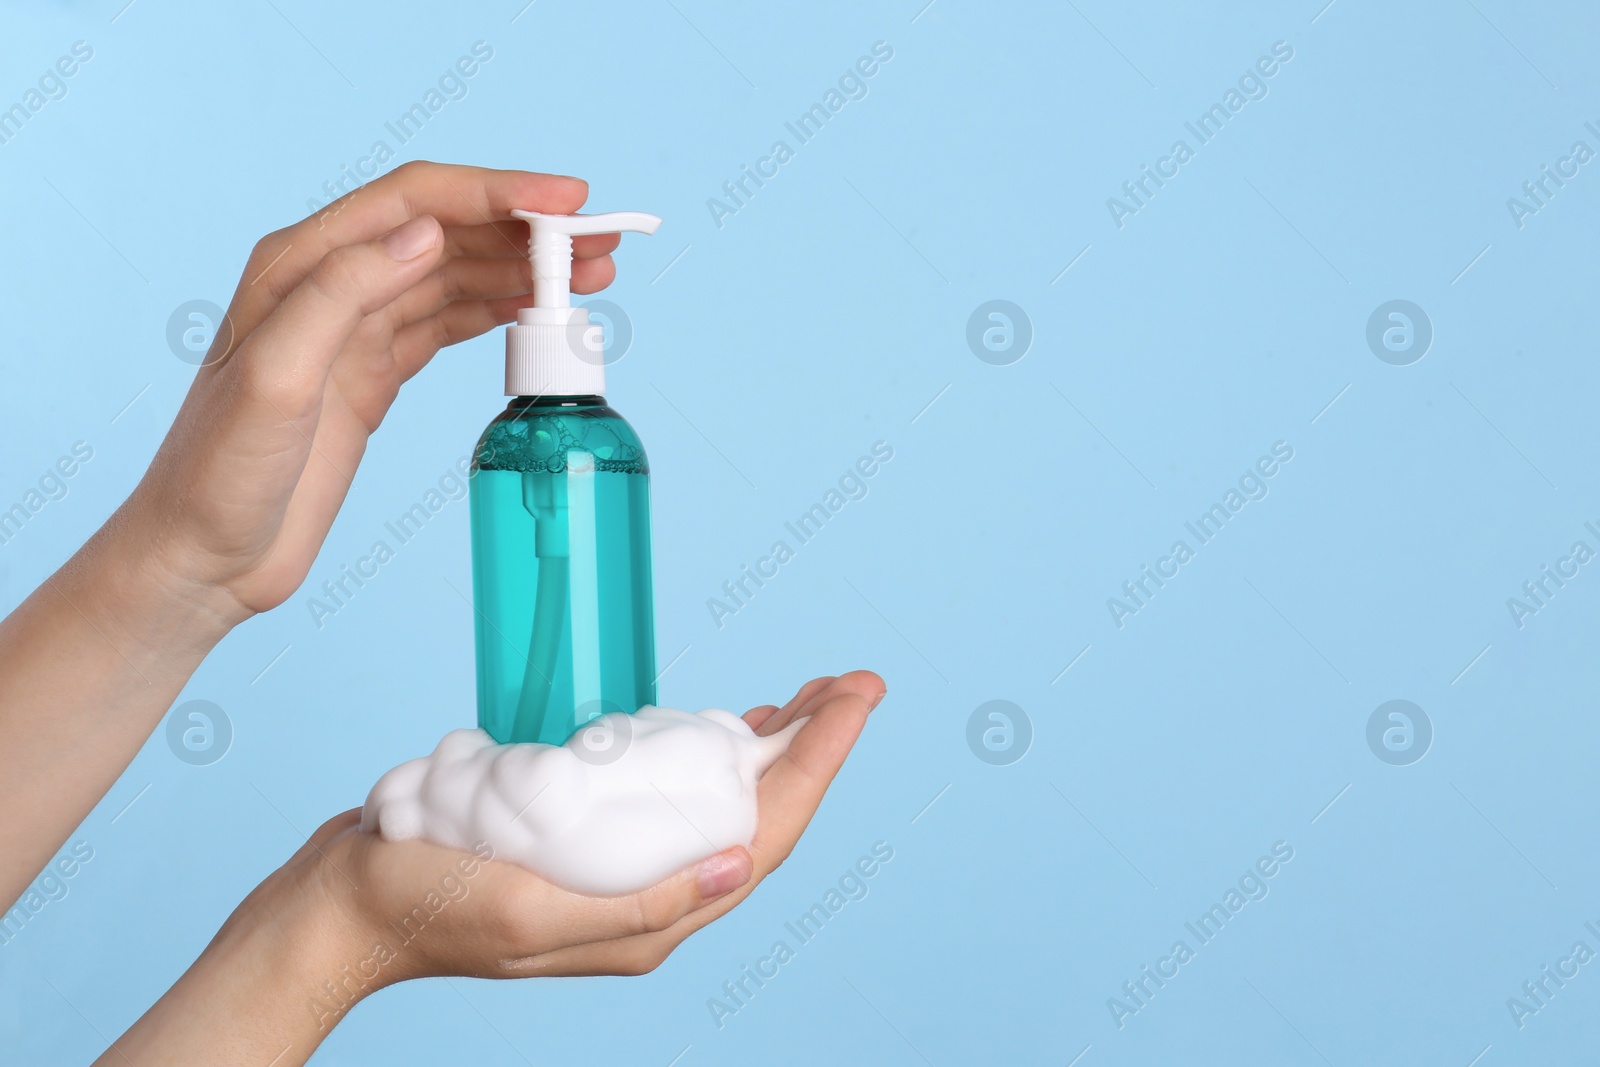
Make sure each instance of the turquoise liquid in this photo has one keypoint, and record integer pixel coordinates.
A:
(565, 620)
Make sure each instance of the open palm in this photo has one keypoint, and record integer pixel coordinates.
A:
(510, 923)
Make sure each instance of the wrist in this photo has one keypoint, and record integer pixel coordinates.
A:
(302, 924)
(263, 991)
(144, 605)
(349, 961)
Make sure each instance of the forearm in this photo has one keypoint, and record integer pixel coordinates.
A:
(88, 665)
(257, 994)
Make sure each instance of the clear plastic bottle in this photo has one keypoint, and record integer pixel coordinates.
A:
(561, 568)
(560, 517)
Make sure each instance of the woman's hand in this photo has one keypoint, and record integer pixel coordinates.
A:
(351, 913)
(510, 923)
(331, 317)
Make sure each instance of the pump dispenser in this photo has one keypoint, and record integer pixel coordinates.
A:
(553, 349)
(561, 518)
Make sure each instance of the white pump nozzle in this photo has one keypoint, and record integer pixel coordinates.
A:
(553, 349)
(550, 247)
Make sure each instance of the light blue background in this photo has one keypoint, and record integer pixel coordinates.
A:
(822, 317)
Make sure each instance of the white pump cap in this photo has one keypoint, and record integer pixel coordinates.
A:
(553, 349)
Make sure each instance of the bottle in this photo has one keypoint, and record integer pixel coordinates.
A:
(560, 501)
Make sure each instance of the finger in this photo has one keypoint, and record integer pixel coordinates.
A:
(864, 683)
(807, 691)
(488, 240)
(489, 279)
(456, 281)
(790, 793)
(639, 954)
(867, 684)
(593, 246)
(503, 240)
(566, 919)
(788, 804)
(593, 275)
(627, 956)
(275, 388)
(287, 360)
(822, 726)
(793, 787)
(456, 196)
(773, 723)
(465, 279)
(803, 704)
(425, 300)
(756, 716)
(416, 342)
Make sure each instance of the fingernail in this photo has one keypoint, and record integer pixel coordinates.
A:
(722, 874)
(877, 700)
(412, 239)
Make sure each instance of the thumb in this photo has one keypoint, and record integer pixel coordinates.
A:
(288, 357)
(591, 919)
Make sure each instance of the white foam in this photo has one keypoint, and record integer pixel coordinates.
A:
(628, 800)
